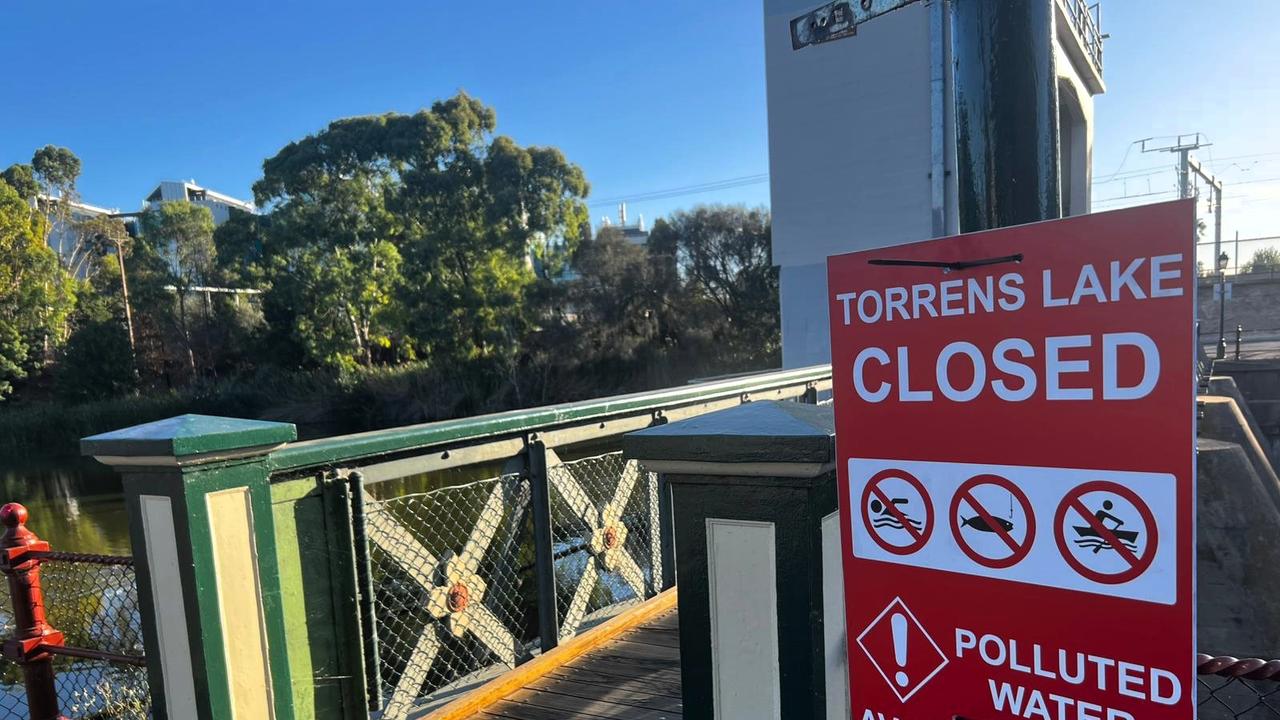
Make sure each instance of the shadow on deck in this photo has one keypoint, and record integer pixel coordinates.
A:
(635, 676)
(626, 668)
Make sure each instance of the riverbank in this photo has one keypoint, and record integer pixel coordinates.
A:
(320, 403)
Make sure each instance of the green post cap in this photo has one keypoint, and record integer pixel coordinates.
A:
(768, 431)
(185, 436)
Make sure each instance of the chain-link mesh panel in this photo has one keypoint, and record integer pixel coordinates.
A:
(1232, 698)
(101, 690)
(93, 600)
(447, 586)
(604, 528)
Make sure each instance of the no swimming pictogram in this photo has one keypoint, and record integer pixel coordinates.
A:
(1106, 532)
(897, 511)
(986, 535)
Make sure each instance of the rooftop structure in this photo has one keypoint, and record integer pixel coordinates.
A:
(636, 234)
(219, 204)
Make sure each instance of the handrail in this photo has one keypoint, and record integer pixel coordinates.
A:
(365, 445)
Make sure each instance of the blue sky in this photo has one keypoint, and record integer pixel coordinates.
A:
(646, 96)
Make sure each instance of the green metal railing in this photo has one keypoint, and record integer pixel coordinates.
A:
(487, 568)
(397, 452)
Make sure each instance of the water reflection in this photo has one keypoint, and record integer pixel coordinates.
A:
(75, 504)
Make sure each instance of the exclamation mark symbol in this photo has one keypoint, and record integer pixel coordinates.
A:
(898, 624)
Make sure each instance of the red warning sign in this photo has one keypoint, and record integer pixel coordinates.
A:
(1032, 389)
(1096, 539)
(890, 499)
(901, 650)
(1017, 531)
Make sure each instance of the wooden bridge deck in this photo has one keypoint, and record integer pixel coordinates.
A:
(634, 676)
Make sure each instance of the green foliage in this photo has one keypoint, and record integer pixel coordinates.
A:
(463, 209)
(21, 178)
(36, 295)
(97, 363)
(1265, 259)
(352, 310)
(182, 233)
(57, 169)
(406, 267)
(724, 252)
(238, 243)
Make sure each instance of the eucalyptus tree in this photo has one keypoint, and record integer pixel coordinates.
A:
(181, 234)
(464, 209)
(36, 294)
(724, 255)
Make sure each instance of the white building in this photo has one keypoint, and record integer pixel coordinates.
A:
(863, 141)
(63, 237)
(69, 245)
(220, 205)
(636, 234)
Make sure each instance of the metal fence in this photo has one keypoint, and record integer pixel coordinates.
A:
(1087, 20)
(1230, 688)
(447, 588)
(606, 539)
(456, 579)
(91, 651)
(465, 581)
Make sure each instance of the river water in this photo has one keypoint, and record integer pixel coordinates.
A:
(74, 503)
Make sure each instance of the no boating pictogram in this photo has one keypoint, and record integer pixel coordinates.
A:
(1106, 532)
(988, 536)
(897, 511)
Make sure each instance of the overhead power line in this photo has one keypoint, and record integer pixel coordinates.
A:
(666, 193)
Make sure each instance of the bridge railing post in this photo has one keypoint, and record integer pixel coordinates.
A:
(204, 544)
(31, 630)
(756, 537)
(544, 568)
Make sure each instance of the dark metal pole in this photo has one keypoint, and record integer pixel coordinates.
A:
(1222, 313)
(32, 633)
(1239, 332)
(1006, 97)
(544, 562)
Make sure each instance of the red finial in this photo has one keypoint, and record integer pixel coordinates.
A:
(14, 517)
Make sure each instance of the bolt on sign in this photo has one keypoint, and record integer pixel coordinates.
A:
(1015, 425)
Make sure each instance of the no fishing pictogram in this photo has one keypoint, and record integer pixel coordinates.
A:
(1106, 532)
(897, 511)
(974, 533)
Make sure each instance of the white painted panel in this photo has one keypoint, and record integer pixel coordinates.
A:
(806, 333)
(834, 640)
(849, 135)
(166, 598)
(742, 590)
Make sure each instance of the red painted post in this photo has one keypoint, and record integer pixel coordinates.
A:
(32, 631)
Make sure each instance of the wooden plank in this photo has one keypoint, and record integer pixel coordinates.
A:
(627, 648)
(620, 694)
(653, 637)
(602, 634)
(570, 706)
(668, 685)
(626, 667)
(670, 621)
(507, 710)
(633, 664)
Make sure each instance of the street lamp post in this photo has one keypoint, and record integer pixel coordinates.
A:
(1222, 306)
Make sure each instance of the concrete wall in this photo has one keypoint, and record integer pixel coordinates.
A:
(849, 155)
(1238, 610)
(1252, 301)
